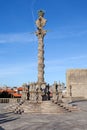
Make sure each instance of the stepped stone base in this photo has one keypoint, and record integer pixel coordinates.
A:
(45, 107)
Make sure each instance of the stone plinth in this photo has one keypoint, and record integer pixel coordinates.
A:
(35, 93)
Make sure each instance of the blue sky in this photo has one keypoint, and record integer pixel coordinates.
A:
(65, 42)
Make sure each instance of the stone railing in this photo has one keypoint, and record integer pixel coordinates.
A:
(9, 100)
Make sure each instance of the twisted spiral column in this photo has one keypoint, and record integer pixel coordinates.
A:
(40, 60)
(40, 33)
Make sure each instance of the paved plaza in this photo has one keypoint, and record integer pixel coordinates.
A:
(66, 121)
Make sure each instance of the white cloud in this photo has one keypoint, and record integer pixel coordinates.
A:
(66, 33)
(67, 59)
(2, 52)
(16, 69)
(51, 66)
(2, 41)
(18, 37)
(55, 65)
(78, 57)
(30, 37)
(65, 63)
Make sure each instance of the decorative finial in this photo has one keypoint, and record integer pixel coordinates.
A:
(41, 13)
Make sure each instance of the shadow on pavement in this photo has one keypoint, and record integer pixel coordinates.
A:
(4, 115)
(85, 100)
(1, 128)
(7, 117)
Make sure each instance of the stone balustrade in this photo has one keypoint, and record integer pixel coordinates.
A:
(9, 100)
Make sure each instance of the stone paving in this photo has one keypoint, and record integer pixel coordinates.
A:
(66, 121)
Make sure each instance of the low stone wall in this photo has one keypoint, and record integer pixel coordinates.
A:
(9, 100)
(4, 100)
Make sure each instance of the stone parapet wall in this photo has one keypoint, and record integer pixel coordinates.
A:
(76, 80)
(9, 100)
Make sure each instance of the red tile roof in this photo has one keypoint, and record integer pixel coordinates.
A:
(10, 91)
(20, 89)
(1, 90)
(17, 95)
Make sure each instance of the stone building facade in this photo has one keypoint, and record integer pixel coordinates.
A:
(76, 82)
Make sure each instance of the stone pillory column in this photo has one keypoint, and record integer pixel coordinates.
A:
(40, 33)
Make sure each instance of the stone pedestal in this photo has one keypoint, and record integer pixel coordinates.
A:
(35, 93)
(24, 92)
(59, 97)
(55, 93)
